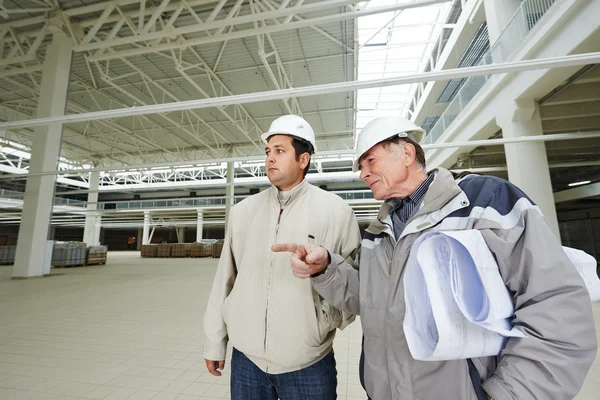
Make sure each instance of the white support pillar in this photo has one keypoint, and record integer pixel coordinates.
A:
(146, 230)
(91, 233)
(39, 192)
(97, 227)
(180, 234)
(229, 191)
(498, 14)
(199, 226)
(527, 162)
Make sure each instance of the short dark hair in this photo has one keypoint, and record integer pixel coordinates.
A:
(419, 153)
(301, 146)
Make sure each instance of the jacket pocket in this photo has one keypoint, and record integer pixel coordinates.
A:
(328, 317)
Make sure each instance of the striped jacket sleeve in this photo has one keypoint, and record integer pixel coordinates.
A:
(552, 305)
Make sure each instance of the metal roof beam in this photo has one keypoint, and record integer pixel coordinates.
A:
(146, 78)
(219, 24)
(245, 32)
(500, 68)
(248, 124)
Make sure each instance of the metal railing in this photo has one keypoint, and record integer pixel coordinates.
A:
(355, 194)
(216, 201)
(147, 204)
(14, 195)
(517, 29)
(171, 203)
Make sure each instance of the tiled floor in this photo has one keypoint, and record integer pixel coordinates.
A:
(131, 330)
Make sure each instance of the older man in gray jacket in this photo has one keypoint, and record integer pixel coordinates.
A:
(551, 304)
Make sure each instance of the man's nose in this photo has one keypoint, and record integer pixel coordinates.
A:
(364, 173)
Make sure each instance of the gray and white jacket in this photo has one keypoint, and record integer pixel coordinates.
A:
(552, 306)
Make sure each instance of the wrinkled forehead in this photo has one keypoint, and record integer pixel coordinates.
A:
(373, 150)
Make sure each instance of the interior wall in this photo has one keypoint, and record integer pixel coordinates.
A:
(581, 230)
(120, 239)
(9, 235)
(68, 234)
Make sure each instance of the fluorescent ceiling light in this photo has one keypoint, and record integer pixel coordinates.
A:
(579, 183)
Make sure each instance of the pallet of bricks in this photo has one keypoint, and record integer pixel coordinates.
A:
(179, 250)
(217, 248)
(68, 254)
(202, 249)
(96, 255)
(149, 250)
(164, 250)
(7, 254)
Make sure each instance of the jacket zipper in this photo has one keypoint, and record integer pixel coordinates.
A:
(395, 245)
(269, 288)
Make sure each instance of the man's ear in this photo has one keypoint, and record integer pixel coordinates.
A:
(304, 160)
(410, 154)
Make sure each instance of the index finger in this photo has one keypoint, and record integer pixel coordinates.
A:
(281, 247)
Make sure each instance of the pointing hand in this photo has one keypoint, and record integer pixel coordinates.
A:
(306, 260)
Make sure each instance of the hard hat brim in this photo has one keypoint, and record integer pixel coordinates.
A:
(265, 138)
(416, 136)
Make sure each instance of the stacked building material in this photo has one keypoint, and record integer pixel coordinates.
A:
(7, 254)
(217, 248)
(178, 250)
(195, 250)
(206, 250)
(149, 250)
(96, 255)
(202, 249)
(164, 250)
(68, 254)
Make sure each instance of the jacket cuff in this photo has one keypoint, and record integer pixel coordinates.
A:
(328, 272)
(215, 353)
(496, 389)
(324, 269)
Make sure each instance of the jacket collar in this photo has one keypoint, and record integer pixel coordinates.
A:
(439, 197)
(443, 189)
(295, 192)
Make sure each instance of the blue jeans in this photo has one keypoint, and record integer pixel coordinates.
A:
(317, 382)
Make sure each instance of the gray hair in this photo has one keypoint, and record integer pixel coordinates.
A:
(396, 148)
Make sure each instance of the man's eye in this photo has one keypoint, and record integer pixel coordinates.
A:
(280, 150)
(370, 160)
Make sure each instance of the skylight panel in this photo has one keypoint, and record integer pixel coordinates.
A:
(391, 45)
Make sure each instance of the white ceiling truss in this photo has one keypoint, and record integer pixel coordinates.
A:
(241, 62)
(187, 135)
(149, 52)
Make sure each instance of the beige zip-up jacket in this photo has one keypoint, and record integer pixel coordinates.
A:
(277, 320)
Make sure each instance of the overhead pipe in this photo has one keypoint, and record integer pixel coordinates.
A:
(520, 139)
(456, 73)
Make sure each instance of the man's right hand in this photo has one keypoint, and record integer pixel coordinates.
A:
(306, 260)
(214, 366)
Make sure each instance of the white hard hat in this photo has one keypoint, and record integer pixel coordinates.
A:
(291, 125)
(383, 128)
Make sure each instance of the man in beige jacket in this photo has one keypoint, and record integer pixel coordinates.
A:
(280, 328)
